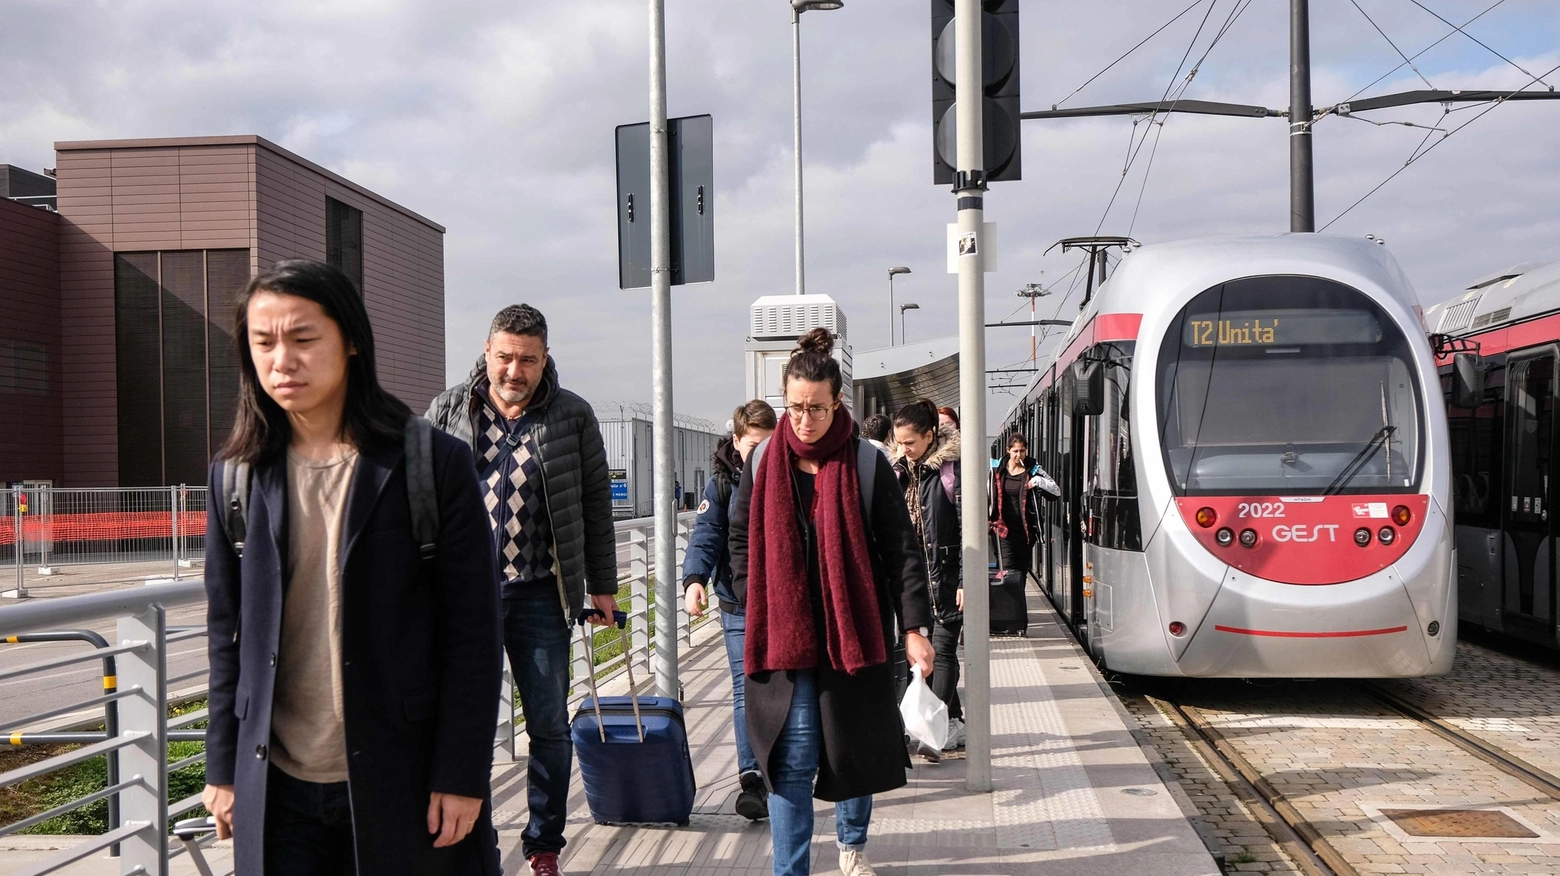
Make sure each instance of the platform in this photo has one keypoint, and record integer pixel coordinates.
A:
(1073, 794)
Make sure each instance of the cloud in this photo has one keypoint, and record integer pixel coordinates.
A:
(496, 120)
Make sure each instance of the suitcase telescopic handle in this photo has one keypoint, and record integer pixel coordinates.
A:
(621, 619)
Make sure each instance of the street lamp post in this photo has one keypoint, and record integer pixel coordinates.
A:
(902, 309)
(891, 273)
(797, 8)
(1033, 291)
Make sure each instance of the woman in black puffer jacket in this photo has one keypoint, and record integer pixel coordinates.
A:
(927, 463)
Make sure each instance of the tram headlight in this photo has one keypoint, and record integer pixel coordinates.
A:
(1225, 537)
(1362, 537)
(1207, 517)
(1401, 515)
(1248, 538)
(1387, 535)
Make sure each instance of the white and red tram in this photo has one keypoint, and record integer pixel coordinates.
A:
(1253, 457)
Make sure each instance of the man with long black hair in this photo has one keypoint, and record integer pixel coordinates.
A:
(354, 676)
(543, 471)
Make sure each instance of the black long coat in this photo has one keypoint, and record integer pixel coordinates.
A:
(863, 736)
(421, 659)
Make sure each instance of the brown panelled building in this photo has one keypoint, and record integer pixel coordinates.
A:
(155, 238)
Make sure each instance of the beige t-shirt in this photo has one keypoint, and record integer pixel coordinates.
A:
(307, 717)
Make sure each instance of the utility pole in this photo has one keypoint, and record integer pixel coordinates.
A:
(661, 329)
(1033, 291)
(969, 190)
(1302, 190)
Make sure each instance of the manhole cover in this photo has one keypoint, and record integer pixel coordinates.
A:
(1458, 823)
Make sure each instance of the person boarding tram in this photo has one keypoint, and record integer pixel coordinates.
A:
(1014, 509)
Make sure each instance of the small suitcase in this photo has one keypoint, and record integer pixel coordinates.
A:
(1009, 609)
(633, 756)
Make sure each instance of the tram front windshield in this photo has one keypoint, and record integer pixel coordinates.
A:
(1288, 386)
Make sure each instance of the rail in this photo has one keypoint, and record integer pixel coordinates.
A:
(135, 704)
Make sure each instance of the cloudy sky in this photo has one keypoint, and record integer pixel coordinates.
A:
(496, 119)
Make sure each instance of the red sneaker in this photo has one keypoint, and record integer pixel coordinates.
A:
(545, 864)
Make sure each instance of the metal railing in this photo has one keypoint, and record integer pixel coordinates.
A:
(133, 533)
(139, 689)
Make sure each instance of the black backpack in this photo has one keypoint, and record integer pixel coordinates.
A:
(421, 492)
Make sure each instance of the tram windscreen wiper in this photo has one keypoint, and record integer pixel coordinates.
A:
(1357, 464)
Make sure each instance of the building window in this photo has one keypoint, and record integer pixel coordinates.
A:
(177, 369)
(344, 239)
(24, 368)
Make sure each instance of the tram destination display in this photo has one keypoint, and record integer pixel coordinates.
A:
(1280, 328)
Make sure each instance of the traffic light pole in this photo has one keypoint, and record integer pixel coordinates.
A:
(666, 585)
(969, 189)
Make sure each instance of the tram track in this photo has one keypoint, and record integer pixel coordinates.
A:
(1481, 748)
(1306, 847)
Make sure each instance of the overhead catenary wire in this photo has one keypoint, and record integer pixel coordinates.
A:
(1394, 45)
(1133, 152)
(1480, 42)
(1157, 32)
(1421, 151)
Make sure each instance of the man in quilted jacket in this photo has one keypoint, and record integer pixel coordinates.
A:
(544, 480)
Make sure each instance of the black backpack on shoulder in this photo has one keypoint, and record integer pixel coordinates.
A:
(421, 491)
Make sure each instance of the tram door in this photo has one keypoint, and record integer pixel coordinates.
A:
(1528, 574)
(1069, 476)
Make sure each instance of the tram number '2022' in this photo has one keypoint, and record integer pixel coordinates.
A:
(1260, 509)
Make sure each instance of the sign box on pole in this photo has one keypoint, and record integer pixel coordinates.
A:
(691, 152)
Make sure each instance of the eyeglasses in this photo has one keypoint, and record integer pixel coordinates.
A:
(813, 412)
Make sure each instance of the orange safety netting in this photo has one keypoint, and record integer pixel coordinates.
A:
(104, 526)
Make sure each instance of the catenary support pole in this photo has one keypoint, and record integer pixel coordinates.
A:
(796, 121)
(1302, 191)
(974, 468)
(661, 328)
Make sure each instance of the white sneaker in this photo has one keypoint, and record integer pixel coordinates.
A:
(955, 735)
(854, 863)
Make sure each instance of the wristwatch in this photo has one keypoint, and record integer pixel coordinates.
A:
(925, 633)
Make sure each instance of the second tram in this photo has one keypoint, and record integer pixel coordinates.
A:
(1253, 459)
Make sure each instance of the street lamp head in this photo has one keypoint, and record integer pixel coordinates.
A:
(820, 5)
(905, 307)
(898, 270)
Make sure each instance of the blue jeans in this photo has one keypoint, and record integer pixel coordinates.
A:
(536, 637)
(308, 828)
(735, 628)
(795, 762)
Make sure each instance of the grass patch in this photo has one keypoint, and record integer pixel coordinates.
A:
(78, 780)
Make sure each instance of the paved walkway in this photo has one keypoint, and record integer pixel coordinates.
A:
(1073, 795)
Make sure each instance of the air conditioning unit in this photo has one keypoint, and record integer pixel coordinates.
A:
(785, 317)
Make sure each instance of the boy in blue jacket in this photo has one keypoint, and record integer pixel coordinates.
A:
(707, 565)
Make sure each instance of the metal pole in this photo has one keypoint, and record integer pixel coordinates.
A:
(1302, 191)
(661, 320)
(796, 119)
(969, 189)
(890, 308)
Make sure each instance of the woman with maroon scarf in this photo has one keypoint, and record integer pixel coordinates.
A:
(827, 580)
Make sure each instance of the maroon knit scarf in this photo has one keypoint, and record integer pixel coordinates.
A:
(780, 632)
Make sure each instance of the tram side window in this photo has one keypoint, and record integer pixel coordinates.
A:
(1110, 454)
(1478, 442)
(1532, 428)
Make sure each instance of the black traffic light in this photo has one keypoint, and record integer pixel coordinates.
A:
(999, 58)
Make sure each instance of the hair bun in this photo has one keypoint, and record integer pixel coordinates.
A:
(819, 341)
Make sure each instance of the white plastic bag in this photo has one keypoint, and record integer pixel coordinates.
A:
(926, 716)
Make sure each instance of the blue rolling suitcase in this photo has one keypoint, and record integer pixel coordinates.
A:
(633, 755)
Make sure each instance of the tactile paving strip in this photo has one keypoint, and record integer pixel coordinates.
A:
(1046, 800)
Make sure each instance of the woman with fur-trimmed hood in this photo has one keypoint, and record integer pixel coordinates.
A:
(926, 460)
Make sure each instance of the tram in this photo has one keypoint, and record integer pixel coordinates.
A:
(1269, 497)
(1500, 338)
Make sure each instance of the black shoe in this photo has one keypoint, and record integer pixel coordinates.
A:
(753, 801)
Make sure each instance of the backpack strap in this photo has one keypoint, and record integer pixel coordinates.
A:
(235, 492)
(421, 489)
(866, 473)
